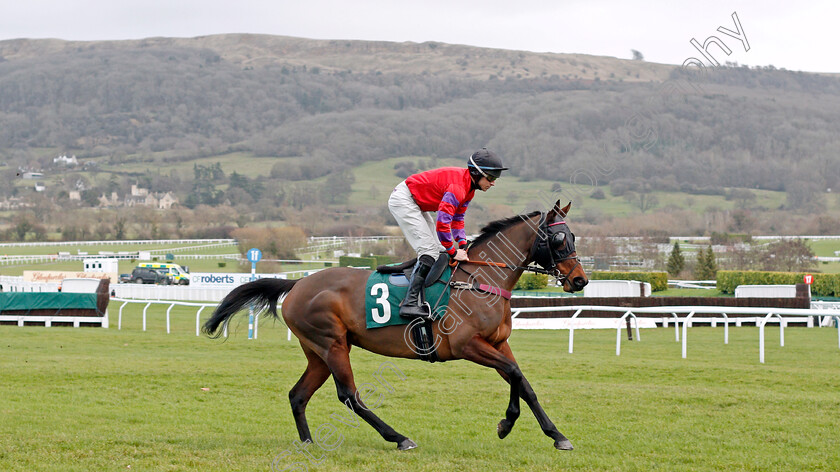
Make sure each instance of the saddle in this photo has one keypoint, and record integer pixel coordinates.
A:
(407, 267)
(385, 290)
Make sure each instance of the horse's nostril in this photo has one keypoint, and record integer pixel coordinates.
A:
(579, 282)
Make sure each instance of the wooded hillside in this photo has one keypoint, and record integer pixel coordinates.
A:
(338, 104)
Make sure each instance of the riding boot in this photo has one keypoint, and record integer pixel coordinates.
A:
(414, 305)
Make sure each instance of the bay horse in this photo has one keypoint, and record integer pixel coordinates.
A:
(326, 311)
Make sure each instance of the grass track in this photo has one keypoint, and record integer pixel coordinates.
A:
(96, 399)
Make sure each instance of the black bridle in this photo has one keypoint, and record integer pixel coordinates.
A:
(554, 244)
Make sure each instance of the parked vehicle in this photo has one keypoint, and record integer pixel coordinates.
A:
(125, 278)
(180, 275)
(143, 275)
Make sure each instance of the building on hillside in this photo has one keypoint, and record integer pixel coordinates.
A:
(113, 201)
(142, 197)
(29, 175)
(68, 161)
(141, 200)
(138, 191)
(74, 195)
(13, 203)
(40, 187)
(167, 201)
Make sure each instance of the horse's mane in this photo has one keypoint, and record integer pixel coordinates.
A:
(495, 227)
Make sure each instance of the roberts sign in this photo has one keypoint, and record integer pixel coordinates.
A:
(220, 279)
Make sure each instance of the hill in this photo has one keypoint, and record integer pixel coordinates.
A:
(295, 116)
(360, 57)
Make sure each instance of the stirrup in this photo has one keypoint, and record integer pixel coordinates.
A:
(411, 312)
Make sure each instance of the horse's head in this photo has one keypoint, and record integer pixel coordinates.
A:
(555, 249)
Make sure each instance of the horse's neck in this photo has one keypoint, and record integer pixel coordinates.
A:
(512, 247)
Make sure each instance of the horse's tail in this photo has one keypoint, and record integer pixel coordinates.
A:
(262, 294)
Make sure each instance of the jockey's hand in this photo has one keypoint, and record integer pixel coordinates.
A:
(461, 255)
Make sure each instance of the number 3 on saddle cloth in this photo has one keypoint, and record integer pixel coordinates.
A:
(384, 292)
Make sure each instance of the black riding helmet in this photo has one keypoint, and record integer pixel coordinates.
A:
(484, 163)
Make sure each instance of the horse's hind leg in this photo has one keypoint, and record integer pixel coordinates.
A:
(313, 377)
(512, 412)
(338, 360)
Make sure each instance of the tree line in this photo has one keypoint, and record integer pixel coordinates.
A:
(751, 128)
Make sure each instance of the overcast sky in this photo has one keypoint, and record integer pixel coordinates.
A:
(799, 35)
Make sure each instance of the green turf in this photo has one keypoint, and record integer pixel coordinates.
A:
(102, 399)
(824, 247)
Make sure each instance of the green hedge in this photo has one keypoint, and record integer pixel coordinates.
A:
(825, 285)
(383, 259)
(531, 282)
(658, 280)
(347, 261)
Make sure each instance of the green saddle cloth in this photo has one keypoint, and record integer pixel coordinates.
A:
(385, 292)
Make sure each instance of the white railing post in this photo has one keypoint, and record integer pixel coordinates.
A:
(167, 317)
(289, 336)
(781, 330)
(618, 341)
(572, 331)
(618, 332)
(686, 322)
(144, 315)
(119, 321)
(636, 322)
(725, 328)
(676, 327)
(761, 334)
(198, 321)
(761, 340)
(837, 322)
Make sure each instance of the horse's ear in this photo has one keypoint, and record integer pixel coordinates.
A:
(561, 211)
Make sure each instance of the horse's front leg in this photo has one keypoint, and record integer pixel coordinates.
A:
(481, 352)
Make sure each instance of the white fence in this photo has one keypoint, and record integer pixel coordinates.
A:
(761, 316)
(21, 320)
(17, 284)
(200, 306)
(162, 295)
(701, 284)
(138, 291)
(119, 243)
(170, 292)
(38, 258)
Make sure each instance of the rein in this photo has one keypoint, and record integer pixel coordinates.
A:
(529, 268)
(454, 264)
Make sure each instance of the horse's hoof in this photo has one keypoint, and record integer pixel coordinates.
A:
(563, 445)
(406, 445)
(504, 428)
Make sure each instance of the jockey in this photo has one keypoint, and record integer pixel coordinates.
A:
(447, 191)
